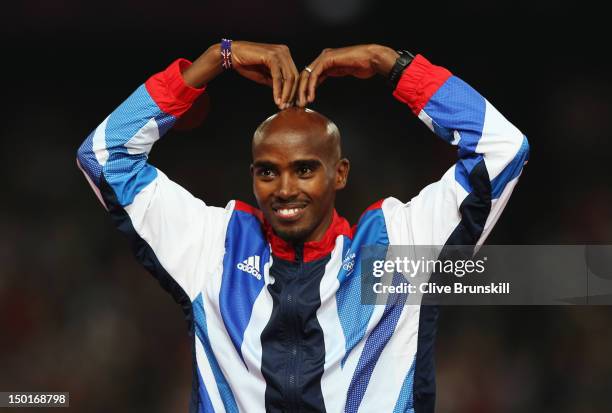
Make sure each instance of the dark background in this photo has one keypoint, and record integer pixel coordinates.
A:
(78, 314)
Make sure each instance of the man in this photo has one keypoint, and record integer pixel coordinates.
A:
(273, 294)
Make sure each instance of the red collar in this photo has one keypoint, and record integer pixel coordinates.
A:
(313, 250)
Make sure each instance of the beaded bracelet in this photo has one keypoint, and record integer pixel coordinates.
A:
(226, 53)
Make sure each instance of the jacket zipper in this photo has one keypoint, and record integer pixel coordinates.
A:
(294, 365)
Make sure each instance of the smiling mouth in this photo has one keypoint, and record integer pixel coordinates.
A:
(288, 214)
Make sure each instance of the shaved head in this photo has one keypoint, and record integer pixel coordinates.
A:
(289, 123)
(297, 169)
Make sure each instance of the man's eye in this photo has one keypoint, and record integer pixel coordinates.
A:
(304, 170)
(266, 172)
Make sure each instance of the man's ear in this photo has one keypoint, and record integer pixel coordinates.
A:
(342, 172)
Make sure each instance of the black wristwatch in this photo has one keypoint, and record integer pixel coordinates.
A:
(402, 62)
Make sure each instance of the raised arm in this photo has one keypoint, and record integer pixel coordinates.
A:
(172, 233)
(462, 207)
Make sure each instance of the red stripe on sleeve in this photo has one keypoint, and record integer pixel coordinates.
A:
(419, 82)
(169, 90)
(244, 207)
(375, 205)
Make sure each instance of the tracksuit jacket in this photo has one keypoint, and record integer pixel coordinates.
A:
(282, 329)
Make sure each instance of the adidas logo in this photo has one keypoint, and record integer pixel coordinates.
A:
(251, 266)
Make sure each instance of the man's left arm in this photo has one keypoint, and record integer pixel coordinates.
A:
(462, 207)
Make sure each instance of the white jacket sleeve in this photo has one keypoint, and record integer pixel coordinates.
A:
(175, 235)
(464, 205)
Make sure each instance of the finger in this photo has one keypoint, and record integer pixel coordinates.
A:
(277, 82)
(307, 80)
(292, 97)
(288, 81)
(302, 87)
(296, 80)
(313, 79)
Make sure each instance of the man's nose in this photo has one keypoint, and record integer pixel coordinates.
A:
(287, 187)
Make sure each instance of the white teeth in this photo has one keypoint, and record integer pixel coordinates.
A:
(288, 212)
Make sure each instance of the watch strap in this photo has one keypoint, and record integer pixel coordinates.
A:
(401, 63)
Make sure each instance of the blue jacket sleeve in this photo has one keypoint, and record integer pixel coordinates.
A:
(176, 236)
(463, 206)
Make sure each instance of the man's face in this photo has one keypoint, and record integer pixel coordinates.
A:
(296, 173)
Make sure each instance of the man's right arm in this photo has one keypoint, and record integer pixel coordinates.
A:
(173, 234)
(163, 222)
